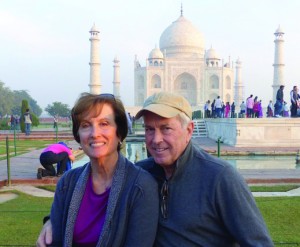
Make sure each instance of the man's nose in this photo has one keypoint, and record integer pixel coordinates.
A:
(157, 137)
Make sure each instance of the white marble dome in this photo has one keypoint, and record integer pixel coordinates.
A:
(182, 38)
(156, 54)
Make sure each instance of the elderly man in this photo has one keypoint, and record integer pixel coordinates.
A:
(203, 200)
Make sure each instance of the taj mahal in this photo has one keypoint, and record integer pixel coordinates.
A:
(182, 65)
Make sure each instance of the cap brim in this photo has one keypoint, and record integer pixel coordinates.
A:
(159, 109)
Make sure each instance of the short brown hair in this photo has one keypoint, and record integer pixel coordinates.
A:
(88, 103)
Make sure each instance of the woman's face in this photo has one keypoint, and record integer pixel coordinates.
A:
(98, 135)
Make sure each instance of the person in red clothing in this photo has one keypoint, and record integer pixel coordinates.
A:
(54, 153)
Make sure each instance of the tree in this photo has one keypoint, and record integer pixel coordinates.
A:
(20, 95)
(23, 110)
(6, 100)
(59, 109)
(10, 101)
(35, 120)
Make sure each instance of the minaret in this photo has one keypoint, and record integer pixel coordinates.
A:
(95, 84)
(238, 85)
(278, 62)
(116, 82)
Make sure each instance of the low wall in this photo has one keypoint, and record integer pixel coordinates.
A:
(255, 132)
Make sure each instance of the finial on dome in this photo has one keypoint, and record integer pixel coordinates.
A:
(181, 11)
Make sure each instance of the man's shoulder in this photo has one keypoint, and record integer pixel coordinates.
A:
(206, 159)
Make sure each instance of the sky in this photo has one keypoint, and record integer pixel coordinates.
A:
(45, 47)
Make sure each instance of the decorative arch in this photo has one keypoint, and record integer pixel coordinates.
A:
(185, 85)
(228, 82)
(214, 82)
(228, 98)
(156, 81)
(212, 97)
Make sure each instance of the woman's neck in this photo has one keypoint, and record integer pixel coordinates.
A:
(102, 173)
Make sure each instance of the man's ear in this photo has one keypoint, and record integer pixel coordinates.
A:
(190, 129)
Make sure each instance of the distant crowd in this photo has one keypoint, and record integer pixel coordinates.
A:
(252, 108)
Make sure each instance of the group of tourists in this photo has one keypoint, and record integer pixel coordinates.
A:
(217, 109)
(252, 108)
(281, 107)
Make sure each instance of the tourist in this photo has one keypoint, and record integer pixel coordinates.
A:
(243, 109)
(218, 107)
(285, 109)
(270, 109)
(55, 121)
(55, 153)
(204, 200)
(256, 107)
(12, 122)
(279, 102)
(260, 110)
(27, 121)
(227, 109)
(108, 201)
(223, 110)
(250, 104)
(213, 109)
(294, 101)
(129, 123)
(207, 109)
(232, 107)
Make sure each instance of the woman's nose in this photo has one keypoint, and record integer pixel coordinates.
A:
(95, 130)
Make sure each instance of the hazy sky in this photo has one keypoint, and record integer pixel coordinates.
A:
(45, 47)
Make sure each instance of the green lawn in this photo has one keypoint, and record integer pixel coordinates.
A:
(21, 219)
(282, 216)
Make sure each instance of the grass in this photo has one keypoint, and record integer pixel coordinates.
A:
(274, 188)
(21, 219)
(22, 146)
(281, 214)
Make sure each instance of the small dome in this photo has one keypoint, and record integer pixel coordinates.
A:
(94, 29)
(182, 38)
(279, 30)
(156, 54)
(211, 54)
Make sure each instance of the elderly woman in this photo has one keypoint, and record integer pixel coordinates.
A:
(108, 201)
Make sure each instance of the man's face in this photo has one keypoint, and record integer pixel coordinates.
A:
(166, 138)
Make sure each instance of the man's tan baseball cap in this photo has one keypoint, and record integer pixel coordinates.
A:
(166, 105)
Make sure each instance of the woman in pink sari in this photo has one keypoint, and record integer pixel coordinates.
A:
(227, 110)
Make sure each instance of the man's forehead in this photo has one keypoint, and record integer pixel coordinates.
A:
(152, 117)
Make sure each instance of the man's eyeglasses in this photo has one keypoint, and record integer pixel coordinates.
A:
(164, 192)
